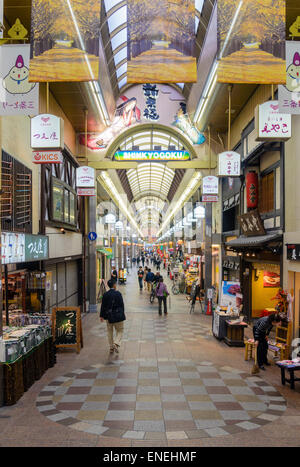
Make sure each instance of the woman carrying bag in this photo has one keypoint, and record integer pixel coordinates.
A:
(112, 311)
(162, 294)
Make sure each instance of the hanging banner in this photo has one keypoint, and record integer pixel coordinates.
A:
(289, 94)
(229, 164)
(85, 177)
(251, 41)
(148, 103)
(47, 132)
(17, 95)
(161, 41)
(65, 40)
(270, 124)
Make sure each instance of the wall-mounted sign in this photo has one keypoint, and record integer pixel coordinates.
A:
(293, 252)
(85, 177)
(17, 95)
(92, 236)
(22, 248)
(47, 157)
(289, 94)
(229, 164)
(210, 199)
(251, 224)
(47, 132)
(210, 185)
(86, 192)
(271, 125)
(152, 155)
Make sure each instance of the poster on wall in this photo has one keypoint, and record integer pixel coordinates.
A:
(251, 41)
(147, 103)
(271, 279)
(289, 94)
(161, 41)
(65, 40)
(229, 293)
(17, 95)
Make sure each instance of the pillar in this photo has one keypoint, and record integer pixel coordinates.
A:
(92, 274)
(208, 248)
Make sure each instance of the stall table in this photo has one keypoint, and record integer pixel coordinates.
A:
(291, 368)
(235, 333)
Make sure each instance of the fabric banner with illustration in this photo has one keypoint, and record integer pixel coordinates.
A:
(161, 41)
(17, 95)
(148, 103)
(65, 40)
(289, 94)
(251, 41)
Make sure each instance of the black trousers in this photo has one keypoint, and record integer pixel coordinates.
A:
(160, 301)
(262, 350)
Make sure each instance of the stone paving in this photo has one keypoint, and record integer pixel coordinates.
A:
(173, 384)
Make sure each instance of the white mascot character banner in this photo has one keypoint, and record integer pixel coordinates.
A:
(17, 95)
(289, 94)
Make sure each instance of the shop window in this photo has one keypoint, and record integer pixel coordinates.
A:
(16, 200)
(63, 202)
(267, 193)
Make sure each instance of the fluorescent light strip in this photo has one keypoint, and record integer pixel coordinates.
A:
(114, 193)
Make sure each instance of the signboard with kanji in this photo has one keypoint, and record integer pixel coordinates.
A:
(22, 248)
(47, 132)
(251, 224)
(270, 124)
(210, 185)
(229, 164)
(85, 177)
(36, 247)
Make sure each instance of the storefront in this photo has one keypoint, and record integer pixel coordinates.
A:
(292, 283)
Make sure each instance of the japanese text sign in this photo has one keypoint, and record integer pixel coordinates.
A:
(270, 124)
(229, 164)
(251, 224)
(36, 247)
(22, 248)
(289, 94)
(85, 177)
(47, 132)
(17, 95)
(210, 185)
(47, 157)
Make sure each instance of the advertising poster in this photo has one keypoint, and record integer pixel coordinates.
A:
(17, 95)
(251, 41)
(161, 41)
(148, 103)
(289, 94)
(271, 279)
(65, 40)
(229, 292)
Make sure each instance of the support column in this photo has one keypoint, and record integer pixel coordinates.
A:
(1, 292)
(92, 258)
(208, 248)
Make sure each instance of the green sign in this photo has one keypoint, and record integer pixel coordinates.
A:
(36, 247)
(145, 156)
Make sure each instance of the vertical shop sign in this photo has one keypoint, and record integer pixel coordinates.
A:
(289, 94)
(229, 164)
(210, 185)
(85, 177)
(251, 41)
(151, 95)
(65, 40)
(47, 132)
(270, 124)
(17, 95)
(161, 41)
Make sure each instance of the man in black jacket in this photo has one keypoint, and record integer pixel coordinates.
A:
(113, 301)
(261, 331)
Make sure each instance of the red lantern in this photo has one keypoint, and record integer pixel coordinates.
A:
(252, 189)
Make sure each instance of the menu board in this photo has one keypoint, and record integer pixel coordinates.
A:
(66, 327)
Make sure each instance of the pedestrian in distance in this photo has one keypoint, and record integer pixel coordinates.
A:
(261, 331)
(162, 294)
(140, 275)
(149, 279)
(112, 311)
(114, 275)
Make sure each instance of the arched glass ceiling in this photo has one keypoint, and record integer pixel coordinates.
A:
(150, 177)
(116, 12)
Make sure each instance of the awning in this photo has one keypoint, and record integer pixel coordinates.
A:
(105, 252)
(261, 240)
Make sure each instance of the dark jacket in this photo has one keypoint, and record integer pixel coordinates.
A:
(156, 278)
(112, 298)
(149, 277)
(262, 328)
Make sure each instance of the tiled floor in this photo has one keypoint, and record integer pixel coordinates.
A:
(173, 384)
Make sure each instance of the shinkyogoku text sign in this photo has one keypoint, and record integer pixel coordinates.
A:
(141, 156)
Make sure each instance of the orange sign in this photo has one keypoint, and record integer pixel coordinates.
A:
(47, 157)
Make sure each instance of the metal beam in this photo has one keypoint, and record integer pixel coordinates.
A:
(115, 165)
(194, 164)
(112, 165)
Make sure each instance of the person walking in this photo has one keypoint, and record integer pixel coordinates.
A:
(143, 260)
(158, 263)
(112, 311)
(149, 279)
(162, 294)
(140, 275)
(114, 275)
(261, 331)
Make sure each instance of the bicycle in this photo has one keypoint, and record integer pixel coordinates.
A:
(153, 293)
